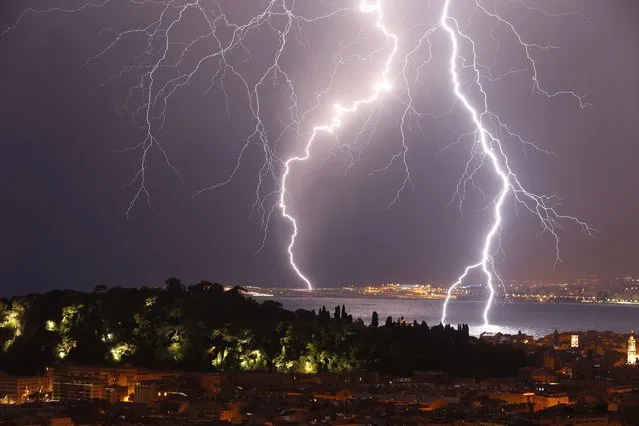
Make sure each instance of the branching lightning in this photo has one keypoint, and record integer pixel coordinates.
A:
(167, 63)
(382, 85)
(541, 206)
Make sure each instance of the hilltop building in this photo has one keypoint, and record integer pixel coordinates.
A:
(632, 351)
(574, 341)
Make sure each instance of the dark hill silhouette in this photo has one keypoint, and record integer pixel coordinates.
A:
(203, 327)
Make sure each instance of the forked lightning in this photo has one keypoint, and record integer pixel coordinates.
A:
(542, 206)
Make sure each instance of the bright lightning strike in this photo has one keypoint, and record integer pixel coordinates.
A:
(167, 62)
(491, 147)
(382, 85)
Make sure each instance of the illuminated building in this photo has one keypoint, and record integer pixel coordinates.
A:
(543, 375)
(70, 388)
(632, 351)
(112, 375)
(536, 401)
(17, 389)
(211, 382)
(146, 392)
(61, 421)
(116, 393)
(574, 341)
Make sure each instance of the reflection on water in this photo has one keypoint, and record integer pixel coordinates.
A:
(493, 328)
(536, 319)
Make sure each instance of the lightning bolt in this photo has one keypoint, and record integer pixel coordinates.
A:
(490, 146)
(167, 63)
(381, 86)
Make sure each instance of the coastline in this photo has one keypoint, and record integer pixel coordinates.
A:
(555, 301)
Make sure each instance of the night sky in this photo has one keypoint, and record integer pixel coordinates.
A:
(65, 174)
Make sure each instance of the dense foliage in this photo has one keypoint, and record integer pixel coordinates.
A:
(204, 327)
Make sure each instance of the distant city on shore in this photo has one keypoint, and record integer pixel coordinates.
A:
(586, 289)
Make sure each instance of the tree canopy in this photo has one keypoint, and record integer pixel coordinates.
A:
(203, 327)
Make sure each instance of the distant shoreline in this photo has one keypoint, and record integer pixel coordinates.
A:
(309, 295)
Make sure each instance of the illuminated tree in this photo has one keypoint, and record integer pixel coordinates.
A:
(208, 328)
(12, 322)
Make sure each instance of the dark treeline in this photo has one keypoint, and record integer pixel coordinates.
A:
(204, 327)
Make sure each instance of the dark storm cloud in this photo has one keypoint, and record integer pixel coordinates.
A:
(65, 183)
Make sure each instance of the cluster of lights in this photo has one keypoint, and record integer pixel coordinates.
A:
(418, 291)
